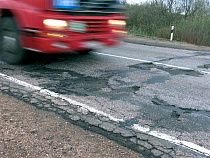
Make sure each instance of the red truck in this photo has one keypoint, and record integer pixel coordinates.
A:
(57, 26)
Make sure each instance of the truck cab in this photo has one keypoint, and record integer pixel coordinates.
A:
(57, 26)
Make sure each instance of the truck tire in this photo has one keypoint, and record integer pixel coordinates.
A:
(10, 50)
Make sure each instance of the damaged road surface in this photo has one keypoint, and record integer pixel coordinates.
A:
(157, 99)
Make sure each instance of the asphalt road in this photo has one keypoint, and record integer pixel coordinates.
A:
(145, 88)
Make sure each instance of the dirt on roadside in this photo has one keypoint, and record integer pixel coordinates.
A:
(26, 131)
(164, 43)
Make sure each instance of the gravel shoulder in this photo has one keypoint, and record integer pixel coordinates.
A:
(26, 131)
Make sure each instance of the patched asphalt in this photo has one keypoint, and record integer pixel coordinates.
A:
(148, 145)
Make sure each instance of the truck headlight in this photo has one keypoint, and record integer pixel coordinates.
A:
(55, 24)
(117, 22)
(118, 26)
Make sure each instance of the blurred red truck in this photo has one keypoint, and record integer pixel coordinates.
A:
(57, 26)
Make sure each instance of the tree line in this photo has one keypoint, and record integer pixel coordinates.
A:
(191, 19)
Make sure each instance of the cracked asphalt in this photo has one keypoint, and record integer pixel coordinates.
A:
(165, 91)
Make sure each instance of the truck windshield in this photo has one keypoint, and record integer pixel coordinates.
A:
(66, 4)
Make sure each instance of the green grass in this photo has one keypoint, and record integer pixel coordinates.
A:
(154, 20)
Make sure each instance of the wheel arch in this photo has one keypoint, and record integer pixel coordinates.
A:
(6, 13)
(16, 10)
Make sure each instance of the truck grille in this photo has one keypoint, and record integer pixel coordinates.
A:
(96, 26)
(92, 26)
(99, 5)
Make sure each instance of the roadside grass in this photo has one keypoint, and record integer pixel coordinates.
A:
(154, 20)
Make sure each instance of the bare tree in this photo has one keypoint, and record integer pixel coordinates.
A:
(170, 4)
(192, 7)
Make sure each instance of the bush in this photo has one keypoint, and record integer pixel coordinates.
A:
(155, 19)
(194, 30)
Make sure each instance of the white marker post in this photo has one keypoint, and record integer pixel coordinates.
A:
(172, 32)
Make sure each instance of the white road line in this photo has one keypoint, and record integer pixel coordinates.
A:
(189, 145)
(43, 91)
(60, 96)
(153, 62)
(73, 102)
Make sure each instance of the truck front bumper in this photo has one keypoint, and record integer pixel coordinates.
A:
(69, 44)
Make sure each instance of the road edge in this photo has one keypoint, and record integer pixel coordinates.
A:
(164, 43)
(146, 143)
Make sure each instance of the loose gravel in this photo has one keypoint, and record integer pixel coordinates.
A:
(26, 131)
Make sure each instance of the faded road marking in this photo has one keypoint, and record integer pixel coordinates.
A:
(153, 62)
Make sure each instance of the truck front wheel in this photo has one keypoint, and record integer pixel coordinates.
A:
(10, 50)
